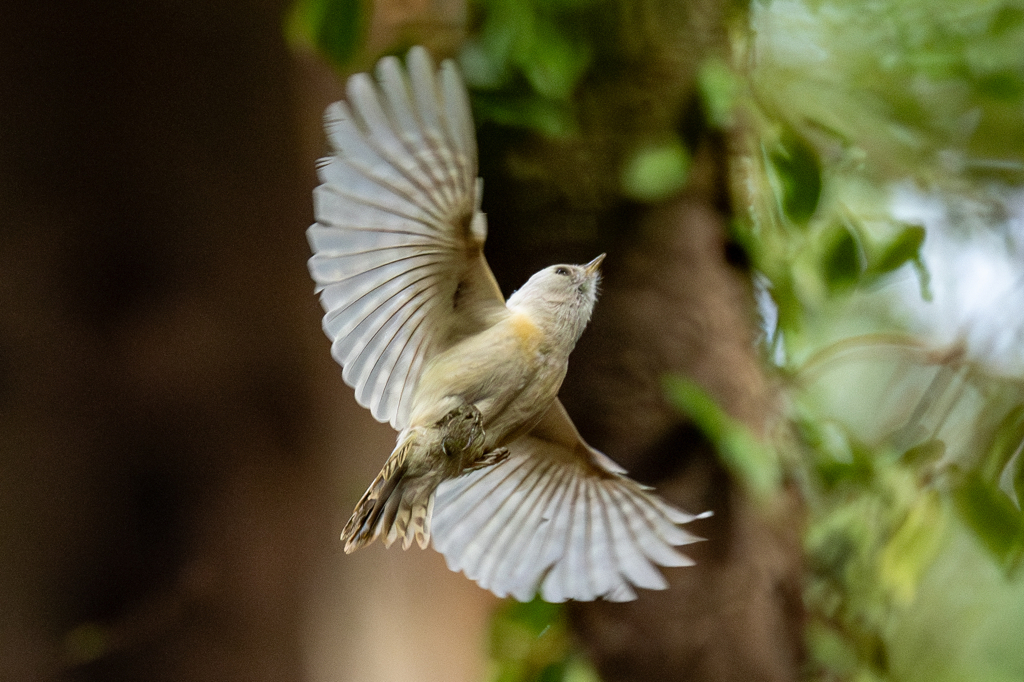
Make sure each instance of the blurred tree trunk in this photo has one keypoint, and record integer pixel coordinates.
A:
(676, 298)
(677, 305)
(178, 452)
(175, 437)
(160, 499)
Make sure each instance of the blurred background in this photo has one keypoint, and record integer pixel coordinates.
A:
(812, 323)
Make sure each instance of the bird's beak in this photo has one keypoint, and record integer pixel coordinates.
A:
(594, 266)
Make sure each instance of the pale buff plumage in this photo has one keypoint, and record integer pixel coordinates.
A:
(488, 464)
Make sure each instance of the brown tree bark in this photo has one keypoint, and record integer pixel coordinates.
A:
(676, 305)
(676, 299)
(159, 493)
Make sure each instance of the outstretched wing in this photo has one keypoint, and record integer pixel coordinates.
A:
(398, 243)
(559, 518)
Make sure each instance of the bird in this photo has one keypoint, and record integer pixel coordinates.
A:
(488, 464)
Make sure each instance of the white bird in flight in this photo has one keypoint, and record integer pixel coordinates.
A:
(488, 463)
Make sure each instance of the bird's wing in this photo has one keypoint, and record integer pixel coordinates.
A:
(398, 243)
(559, 518)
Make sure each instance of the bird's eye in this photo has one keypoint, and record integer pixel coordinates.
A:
(562, 271)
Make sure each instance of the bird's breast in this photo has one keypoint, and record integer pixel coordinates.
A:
(528, 335)
(509, 372)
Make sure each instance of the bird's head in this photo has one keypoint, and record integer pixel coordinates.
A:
(560, 298)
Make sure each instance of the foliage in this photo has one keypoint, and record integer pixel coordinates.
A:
(750, 461)
(875, 143)
(905, 447)
(530, 643)
(333, 27)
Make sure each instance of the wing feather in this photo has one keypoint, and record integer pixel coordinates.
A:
(493, 536)
(371, 307)
(544, 534)
(363, 96)
(602, 566)
(465, 522)
(634, 565)
(398, 232)
(391, 364)
(510, 538)
(517, 538)
(415, 123)
(566, 579)
(360, 154)
(647, 537)
(549, 519)
(374, 368)
(425, 94)
(349, 225)
(577, 578)
(459, 116)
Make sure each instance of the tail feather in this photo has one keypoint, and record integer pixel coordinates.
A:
(413, 522)
(394, 506)
(373, 507)
(365, 524)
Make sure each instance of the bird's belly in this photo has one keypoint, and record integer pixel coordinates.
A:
(505, 372)
(505, 423)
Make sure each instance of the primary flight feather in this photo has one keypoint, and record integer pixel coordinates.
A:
(488, 463)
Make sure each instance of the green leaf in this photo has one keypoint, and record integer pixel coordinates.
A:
(1005, 457)
(1007, 19)
(481, 69)
(1005, 442)
(748, 459)
(552, 672)
(924, 277)
(906, 247)
(829, 646)
(1011, 479)
(572, 5)
(798, 169)
(839, 458)
(1003, 86)
(927, 453)
(550, 118)
(533, 632)
(579, 670)
(556, 61)
(655, 171)
(912, 548)
(530, 643)
(994, 520)
(508, 34)
(719, 87)
(332, 27)
(841, 263)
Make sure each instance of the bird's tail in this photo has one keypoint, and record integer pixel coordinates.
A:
(394, 506)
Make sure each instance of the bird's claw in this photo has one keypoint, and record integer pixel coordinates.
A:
(461, 428)
(491, 458)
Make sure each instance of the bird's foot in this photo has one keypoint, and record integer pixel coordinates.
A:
(491, 458)
(461, 430)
